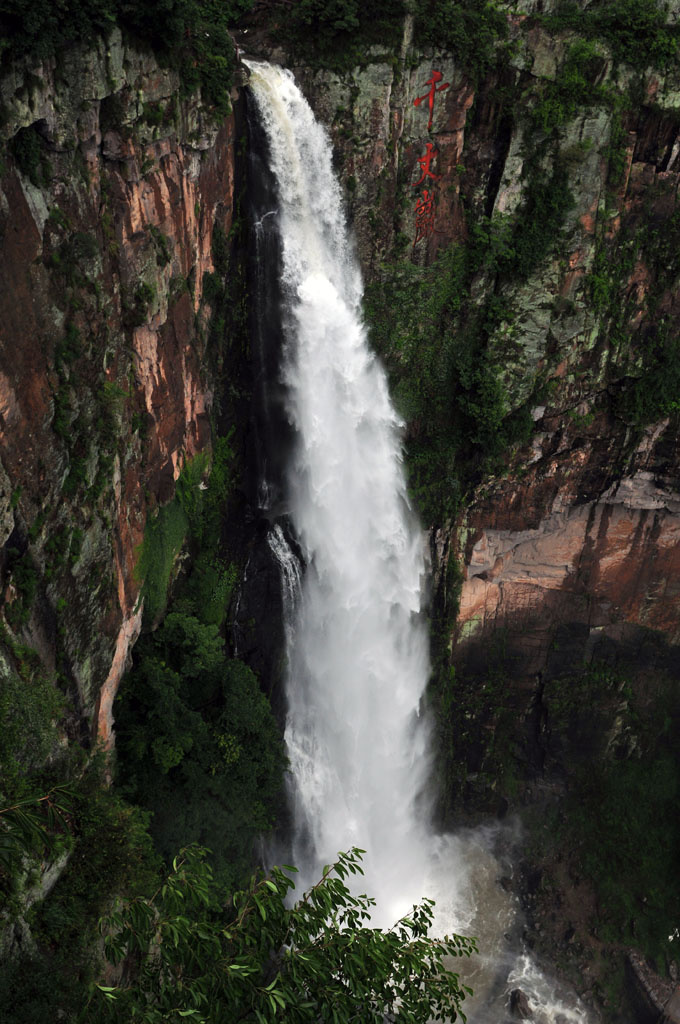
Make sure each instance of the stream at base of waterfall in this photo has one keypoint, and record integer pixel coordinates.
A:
(357, 736)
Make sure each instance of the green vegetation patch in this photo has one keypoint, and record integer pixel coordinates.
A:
(637, 31)
(28, 150)
(43, 988)
(197, 740)
(164, 535)
(655, 393)
(198, 744)
(106, 851)
(111, 852)
(191, 35)
(470, 29)
(194, 513)
(645, 365)
(30, 706)
(23, 575)
(623, 809)
(253, 957)
(628, 826)
(336, 33)
(573, 89)
(433, 335)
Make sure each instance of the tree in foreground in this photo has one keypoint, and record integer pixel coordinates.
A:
(257, 960)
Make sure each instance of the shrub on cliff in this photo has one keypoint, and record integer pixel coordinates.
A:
(470, 29)
(198, 744)
(637, 31)
(30, 704)
(335, 33)
(255, 959)
(191, 34)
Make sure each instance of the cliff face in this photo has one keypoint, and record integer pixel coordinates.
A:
(564, 690)
(582, 527)
(116, 201)
(110, 194)
(109, 198)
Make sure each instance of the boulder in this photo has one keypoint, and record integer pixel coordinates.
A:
(519, 1005)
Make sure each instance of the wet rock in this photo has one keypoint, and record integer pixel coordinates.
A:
(651, 994)
(519, 1005)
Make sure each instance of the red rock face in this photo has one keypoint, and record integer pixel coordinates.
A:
(598, 563)
(109, 245)
(447, 142)
(573, 542)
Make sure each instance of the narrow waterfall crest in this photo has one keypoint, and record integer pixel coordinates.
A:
(357, 641)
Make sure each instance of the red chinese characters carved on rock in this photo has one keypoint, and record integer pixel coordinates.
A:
(424, 216)
(429, 96)
(425, 208)
(425, 161)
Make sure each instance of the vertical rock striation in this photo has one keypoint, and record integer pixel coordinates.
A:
(111, 193)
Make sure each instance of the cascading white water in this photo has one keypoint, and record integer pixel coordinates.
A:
(356, 640)
(358, 662)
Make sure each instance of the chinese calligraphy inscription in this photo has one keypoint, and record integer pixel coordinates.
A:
(429, 96)
(425, 205)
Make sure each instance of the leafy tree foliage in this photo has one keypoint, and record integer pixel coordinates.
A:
(198, 743)
(30, 826)
(335, 33)
(471, 29)
(109, 851)
(637, 31)
(258, 960)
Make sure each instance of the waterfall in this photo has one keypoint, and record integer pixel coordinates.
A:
(358, 656)
(357, 645)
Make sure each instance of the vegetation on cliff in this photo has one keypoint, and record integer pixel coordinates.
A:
(258, 959)
(193, 949)
(433, 332)
(449, 332)
(198, 745)
(638, 31)
(337, 34)
(192, 35)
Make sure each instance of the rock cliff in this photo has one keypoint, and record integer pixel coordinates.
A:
(111, 194)
(561, 559)
(590, 507)
(555, 169)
